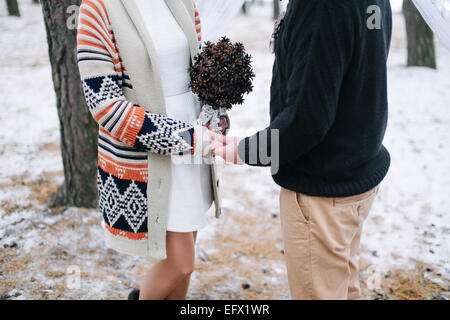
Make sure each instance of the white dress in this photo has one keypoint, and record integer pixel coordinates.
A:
(191, 195)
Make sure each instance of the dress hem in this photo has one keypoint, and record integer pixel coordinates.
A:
(181, 229)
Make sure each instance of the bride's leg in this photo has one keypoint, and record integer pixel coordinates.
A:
(165, 276)
(180, 292)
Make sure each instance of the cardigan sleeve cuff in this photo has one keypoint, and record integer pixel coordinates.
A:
(202, 141)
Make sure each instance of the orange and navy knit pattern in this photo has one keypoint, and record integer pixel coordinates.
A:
(127, 132)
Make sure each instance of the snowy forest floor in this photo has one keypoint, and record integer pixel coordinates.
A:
(406, 237)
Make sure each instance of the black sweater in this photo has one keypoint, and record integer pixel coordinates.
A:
(328, 98)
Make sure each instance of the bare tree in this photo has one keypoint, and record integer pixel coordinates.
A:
(13, 8)
(276, 9)
(244, 7)
(78, 129)
(421, 49)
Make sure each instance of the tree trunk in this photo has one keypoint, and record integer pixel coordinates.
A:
(13, 8)
(421, 50)
(78, 128)
(244, 8)
(276, 9)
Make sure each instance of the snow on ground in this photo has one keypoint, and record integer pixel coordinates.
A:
(406, 238)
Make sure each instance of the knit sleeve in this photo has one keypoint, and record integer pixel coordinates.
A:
(315, 52)
(103, 77)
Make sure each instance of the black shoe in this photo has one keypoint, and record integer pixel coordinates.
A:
(133, 295)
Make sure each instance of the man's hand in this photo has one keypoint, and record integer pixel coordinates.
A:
(226, 148)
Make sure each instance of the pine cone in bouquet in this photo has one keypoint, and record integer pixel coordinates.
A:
(222, 73)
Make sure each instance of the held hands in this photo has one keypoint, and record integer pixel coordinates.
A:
(225, 147)
(220, 145)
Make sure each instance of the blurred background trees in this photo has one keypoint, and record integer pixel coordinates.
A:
(276, 6)
(13, 8)
(276, 9)
(421, 49)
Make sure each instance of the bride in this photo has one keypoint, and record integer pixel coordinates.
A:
(133, 57)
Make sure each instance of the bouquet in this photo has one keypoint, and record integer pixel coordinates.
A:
(222, 73)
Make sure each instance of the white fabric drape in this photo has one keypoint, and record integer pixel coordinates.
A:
(437, 15)
(216, 16)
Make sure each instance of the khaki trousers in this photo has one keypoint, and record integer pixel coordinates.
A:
(321, 240)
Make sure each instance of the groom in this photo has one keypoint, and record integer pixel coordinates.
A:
(328, 109)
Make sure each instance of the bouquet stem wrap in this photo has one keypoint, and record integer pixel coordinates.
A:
(211, 115)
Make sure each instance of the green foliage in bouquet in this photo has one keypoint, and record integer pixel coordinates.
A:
(222, 73)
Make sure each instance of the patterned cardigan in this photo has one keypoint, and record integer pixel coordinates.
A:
(127, 132)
